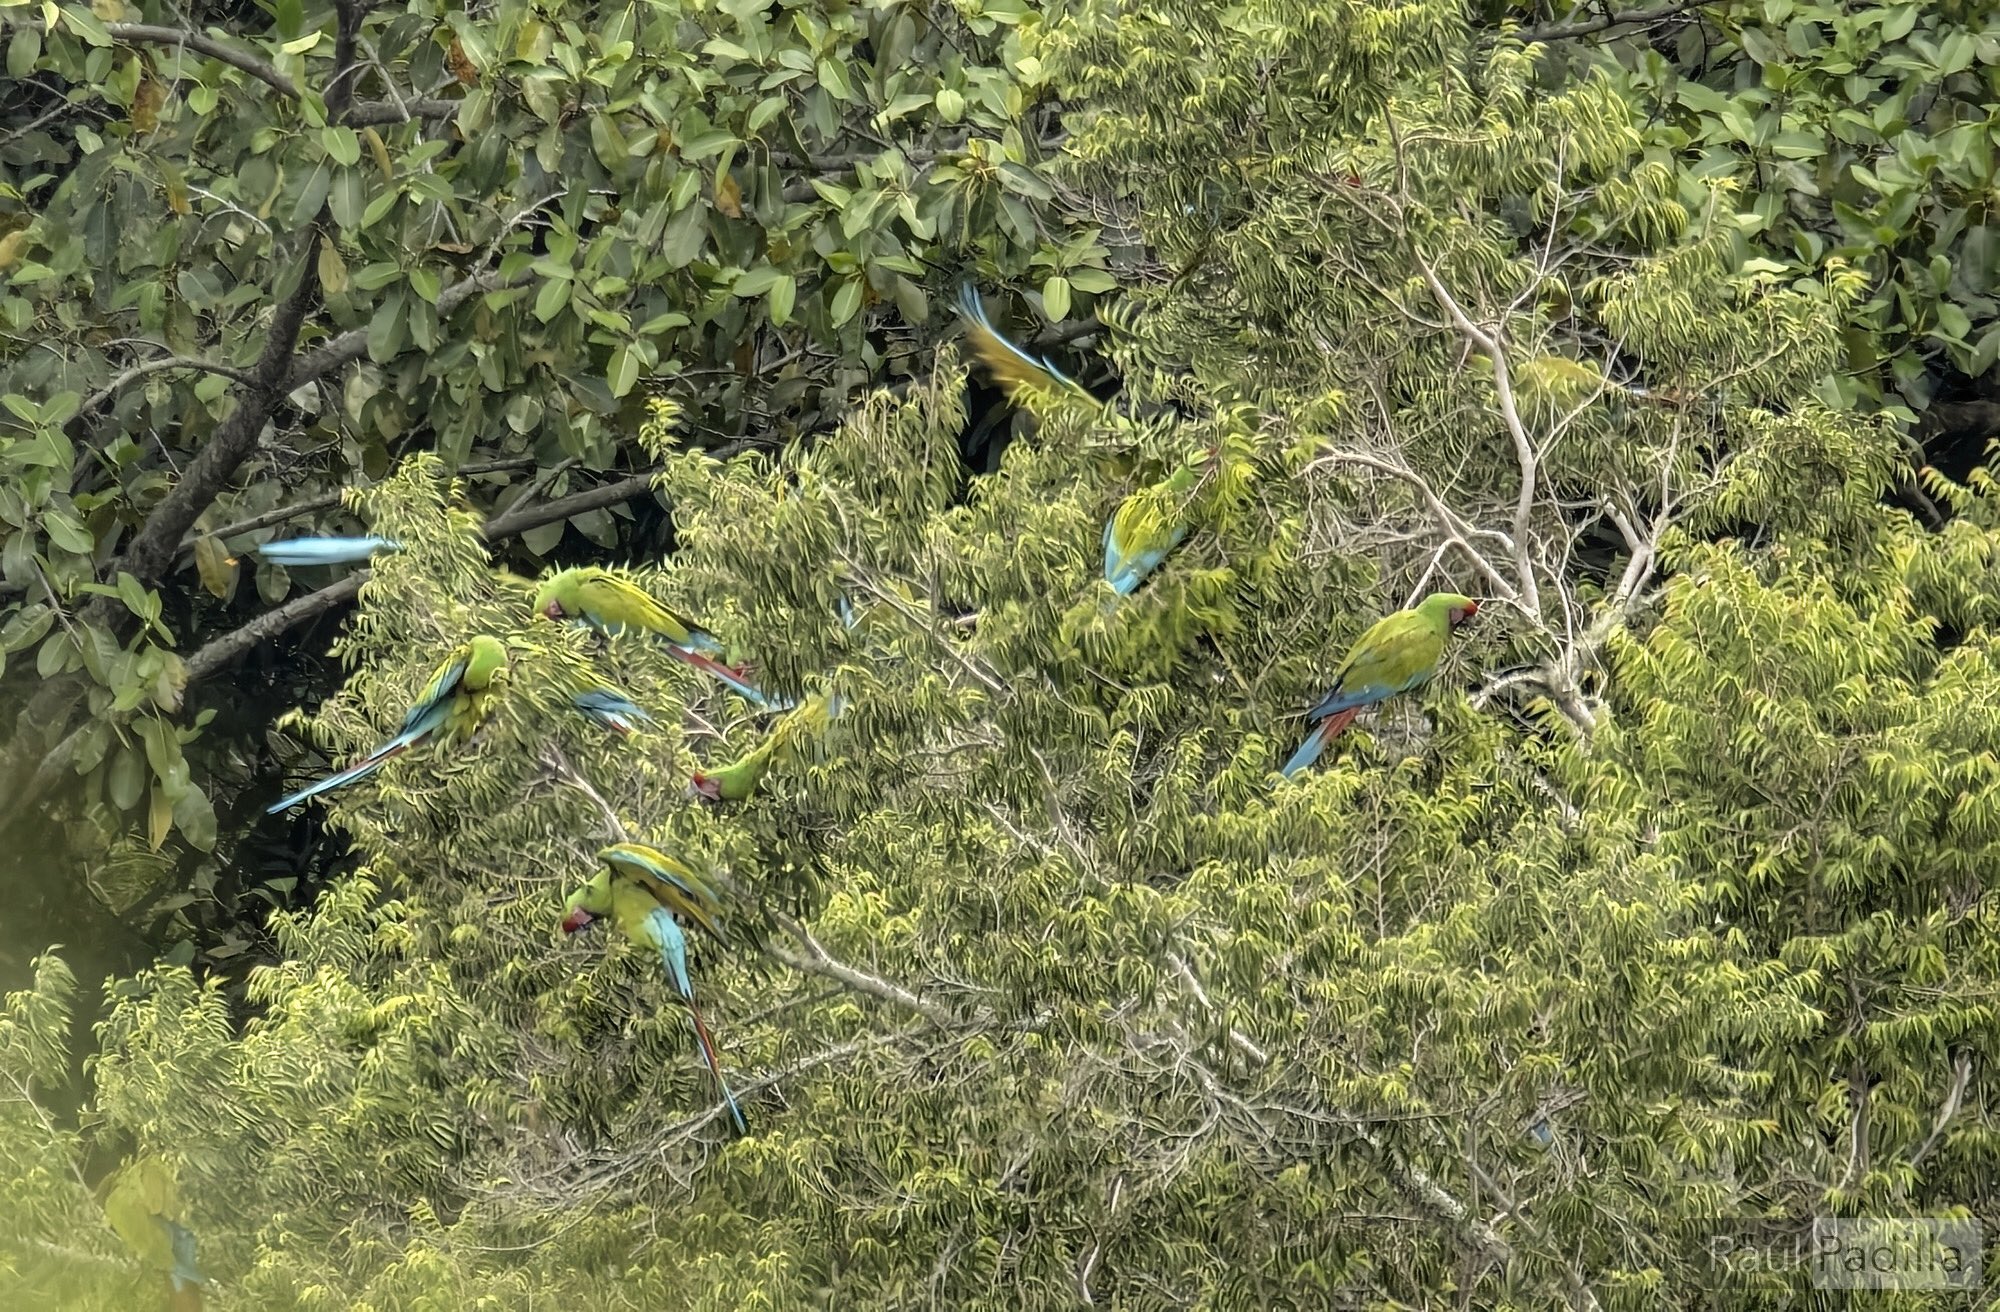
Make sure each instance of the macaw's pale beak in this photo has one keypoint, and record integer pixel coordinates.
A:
(553, 610)
(700, 785)
(576, 920)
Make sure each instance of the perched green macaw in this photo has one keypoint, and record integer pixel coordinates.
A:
(143, 1204)
(643, 889)
(614, 710)
(1013, 368)
(737, 780)
(603, 601)
(323, 551)
(451, 707)
(1399, 652)
(1150, 523)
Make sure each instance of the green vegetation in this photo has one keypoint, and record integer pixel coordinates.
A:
(1663, 908)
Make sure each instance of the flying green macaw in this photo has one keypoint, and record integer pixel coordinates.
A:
(737, 780)
(451, 707)
(1013, 368)
(323, 551)
(614, 710)
(642, 889)
(1150, 523)
(1399, 652)
(609, 604)
(143, 1204)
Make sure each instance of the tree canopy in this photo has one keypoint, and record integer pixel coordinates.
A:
(1662, 910)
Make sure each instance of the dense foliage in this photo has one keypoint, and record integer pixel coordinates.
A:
(1667, 908)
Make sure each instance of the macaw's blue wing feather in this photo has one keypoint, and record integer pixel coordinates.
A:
(436, 695)
(848, 619)
(615, 712)
(323, 551)
(1125, 573)
(673, 955)
(1345, 699)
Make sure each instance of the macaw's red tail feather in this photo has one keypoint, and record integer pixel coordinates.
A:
(707, 1042)
(733, 678)
(1315, 743)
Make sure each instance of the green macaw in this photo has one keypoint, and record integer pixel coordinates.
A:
(1399, 652)
(609, 604)
(452, 706)
(143, 1204)
(1150, 523)
(737, 780)
(643, 889)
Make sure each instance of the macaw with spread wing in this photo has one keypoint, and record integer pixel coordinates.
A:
(452, 706)
(1399, 652)
(295, 552)
(1013, 368)
(643, 889)
(143, 1205)
(1150, 523)
(614, 710)
(600, 599)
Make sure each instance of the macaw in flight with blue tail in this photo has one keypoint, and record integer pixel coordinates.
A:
(143, 1204)
(294, 552)
(1013, 368)
(647, 893)
(1396, 654)
(601, 600)
(452, 706)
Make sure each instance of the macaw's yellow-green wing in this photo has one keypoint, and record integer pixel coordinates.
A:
(141, 1196)
(670, 882)
(1012, 368)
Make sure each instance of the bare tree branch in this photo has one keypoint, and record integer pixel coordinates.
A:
(350, 346)
(220, 51)
(818, 961)
(138, 371)
(1588, 27)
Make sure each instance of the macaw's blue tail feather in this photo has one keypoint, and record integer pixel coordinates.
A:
(1316, 741)
(848, 619)
(360, 770)
(324, 551)
(728, 676)
(186, 1273)
(715, 1068)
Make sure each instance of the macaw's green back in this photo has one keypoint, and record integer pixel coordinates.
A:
(593, 596)
(665, 881)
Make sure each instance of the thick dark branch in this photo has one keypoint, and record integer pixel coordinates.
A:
(220, 51)
(1587, 27)
(151, 550)
(213, 656)
(350, 346)
(516, 522)
(374, 113)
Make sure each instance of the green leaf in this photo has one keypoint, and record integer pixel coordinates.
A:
(554, 295)
(66, 533)
(623, 373)
(341, 144)
(846, 301)
(784, 294)
(1055, 298)
(126, 780)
